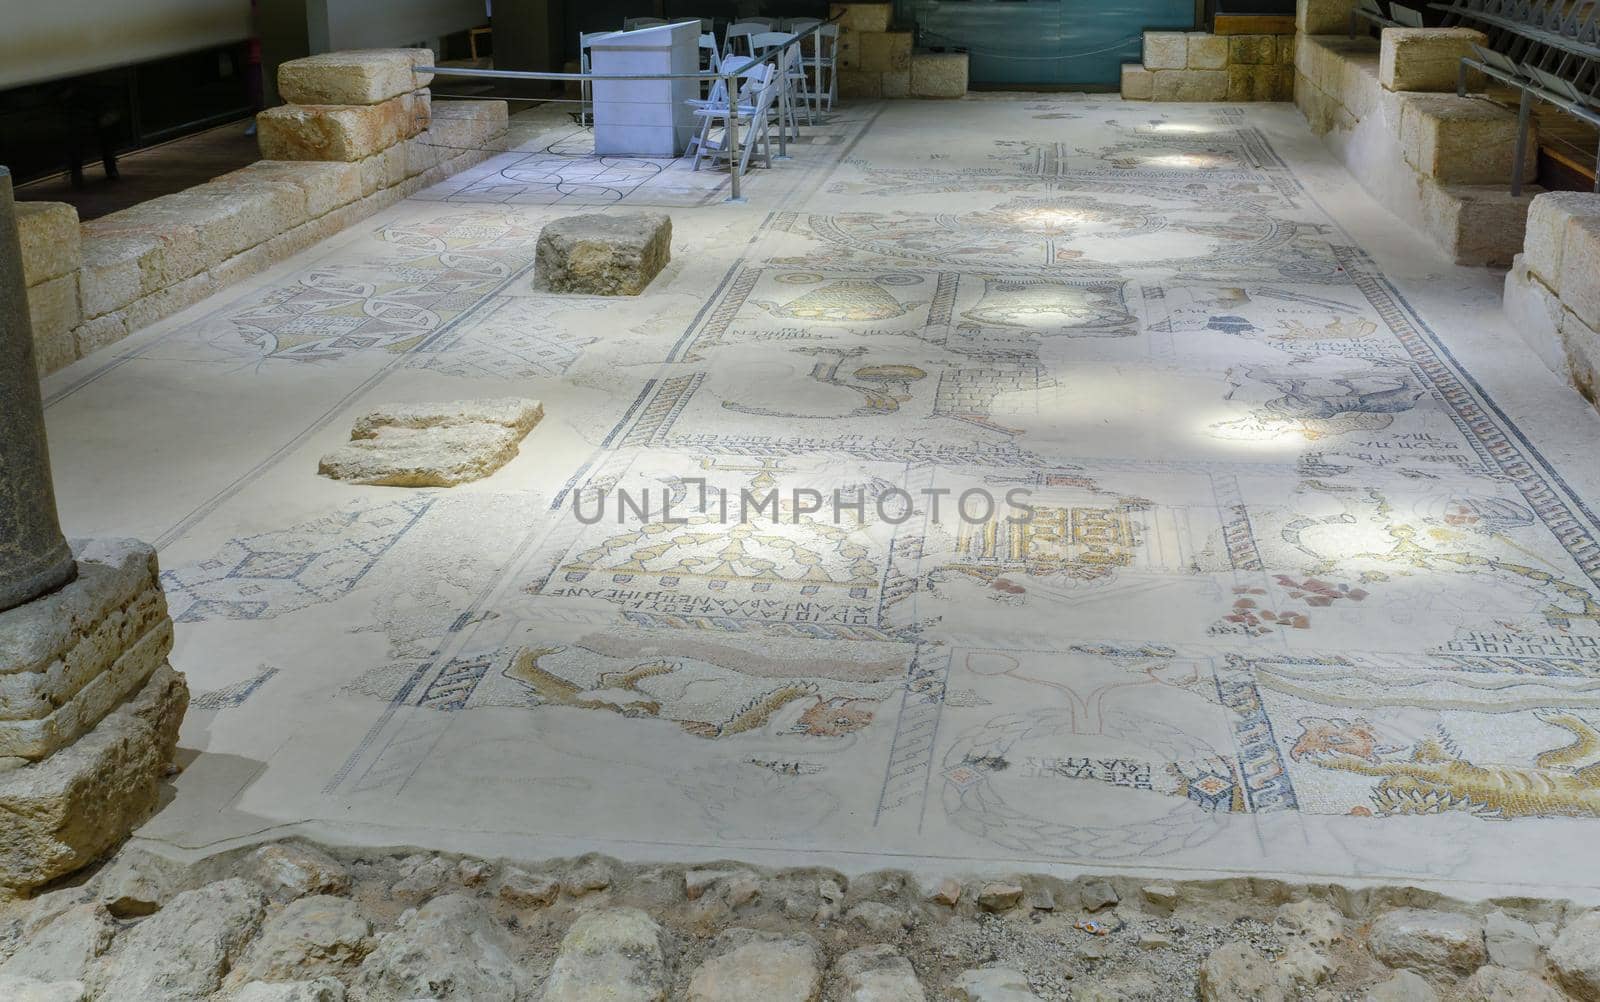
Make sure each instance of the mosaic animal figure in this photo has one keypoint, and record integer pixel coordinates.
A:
(1322, 405)
(1562, 782)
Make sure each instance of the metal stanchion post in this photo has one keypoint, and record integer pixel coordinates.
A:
(732, 137)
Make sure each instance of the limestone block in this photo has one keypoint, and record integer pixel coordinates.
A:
(1252, 49)
(1580, 269)
(1191, 85)
(183, 951)
(1425, 59)
(860, 84)
(59, 814)
(862, 16)
(324, 185)
(229, 214)
(67, 658)
(467, 125)
(1461, 140)
(603, 255)
(754, 965)
(1547, 230)
(884, 51)
(1138, 83)
(54, 308)
(163, 303)
(1475, 225)
(1260, 82)
(51, 354)
(938, 74)
(433, 445)
(125, 258)
(897, 83)
(1323, 17)
(1286, 49)
(1207, 51)
(1166, 50)
(49, 235)
(366, 76)
(339, 132)
(1582, 347)
(98, 333)
(615, 953)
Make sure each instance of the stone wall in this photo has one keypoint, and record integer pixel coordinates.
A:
(1552, 293)
(1199, 66)
(1388, 109)
(877, 62)
(327, 165)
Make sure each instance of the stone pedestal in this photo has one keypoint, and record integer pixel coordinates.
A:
(646, 118)
(89, 713)
(602, 255)
(34, 558)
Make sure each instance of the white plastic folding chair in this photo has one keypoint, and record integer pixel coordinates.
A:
(791, 78)
(796, 25)
(631, 23)
(757, 89)
(736, 40)
(710, 60)
(823, 62)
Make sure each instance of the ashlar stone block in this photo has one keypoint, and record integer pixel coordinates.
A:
(1547, 230)
(1424, 59)
(1191, 85)
(897, 83)
(367, 76)
(1207, 51)
(1166, 50)
(340, 132)
(938, 74)
(50, 243)
(602, 255)
(54, 310)
(1580, 269)
(860, 84)
(1138, 83)
(1252, 49)
(1260, 82)
(1462, 140)
(124, 259)
(325, 185)
(862, 16)
(884, 51)
(467, 125)
(1323, 17)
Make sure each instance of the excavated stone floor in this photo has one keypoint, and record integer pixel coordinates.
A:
(1309, 591)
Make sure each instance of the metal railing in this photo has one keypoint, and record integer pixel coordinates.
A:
(730, 79)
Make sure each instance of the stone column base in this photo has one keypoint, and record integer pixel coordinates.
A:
(89, 714)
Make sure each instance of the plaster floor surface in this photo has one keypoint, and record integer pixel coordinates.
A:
(1310, 587)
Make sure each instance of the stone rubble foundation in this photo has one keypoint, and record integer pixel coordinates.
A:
(292, 921)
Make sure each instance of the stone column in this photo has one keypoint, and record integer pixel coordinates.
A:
(34, 558)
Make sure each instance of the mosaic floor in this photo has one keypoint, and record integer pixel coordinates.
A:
(1310, 587)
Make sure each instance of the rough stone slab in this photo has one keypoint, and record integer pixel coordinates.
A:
(1166, 50)
(34, 990)
(749, 965)
(183, 951)
(313, 937)
(884, 51)
(1252, 49)
(993, 984)
(938, 74)
(1428, 941)
(879, 974)
(1462, 140)
(340, 132)
(1547, 230)
(64, 948)
(449, 948)
(362, 76)
(1207, 51)
(1580, 269)
(1191, 85)
(433, 445)
(860, 17)
(1424, 59)
(50, 244)
(603, 255)
(290, 871)
(615, 954)
(1575, 956)
(1138, 83)
(1323, 17)
(59, 814)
